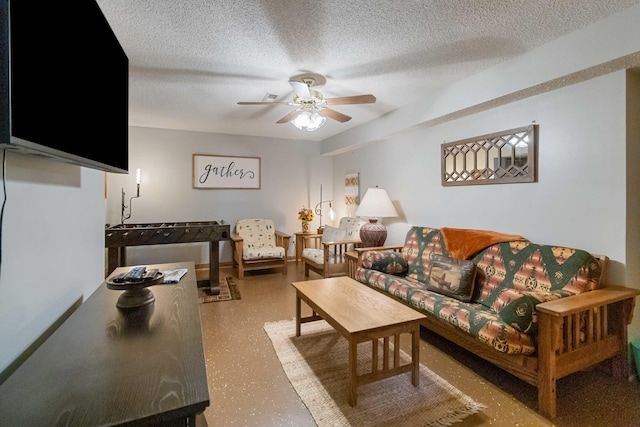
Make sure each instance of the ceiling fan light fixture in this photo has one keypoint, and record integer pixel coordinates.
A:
(302, 120)
(316, 122)
(309, 103)
(308, 121)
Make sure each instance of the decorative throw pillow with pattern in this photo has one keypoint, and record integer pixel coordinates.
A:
(452, 277)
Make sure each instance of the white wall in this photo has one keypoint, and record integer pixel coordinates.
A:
(579, 199)
(52, 246)
(292, 172)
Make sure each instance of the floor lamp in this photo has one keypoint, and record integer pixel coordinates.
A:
(318, 210)
(375, 204)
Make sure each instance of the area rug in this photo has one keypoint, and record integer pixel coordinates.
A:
(316, 364)
(228, 291)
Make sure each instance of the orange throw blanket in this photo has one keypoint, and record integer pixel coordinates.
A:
(463, 243)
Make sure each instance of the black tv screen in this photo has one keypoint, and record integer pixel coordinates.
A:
(64, 83)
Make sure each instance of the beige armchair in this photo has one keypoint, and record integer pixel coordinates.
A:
(325, 253)
(257, 245)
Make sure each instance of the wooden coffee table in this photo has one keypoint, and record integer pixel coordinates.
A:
(361, 314)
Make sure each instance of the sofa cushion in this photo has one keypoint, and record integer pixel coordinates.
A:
(329, 234)
(259, 239)
(386, 261)
(526, 267)
(420, 244)
(519, 313)
(352, 227)
(314, 254)
(452, 277)
(475, 319)
(333, 234)
(518, 309)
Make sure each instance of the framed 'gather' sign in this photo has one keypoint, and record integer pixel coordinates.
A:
(228, 172)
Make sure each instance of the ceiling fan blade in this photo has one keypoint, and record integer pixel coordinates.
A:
(264, 103)
(289, 117)
(301, 89)
(357, 99)
(333, 114)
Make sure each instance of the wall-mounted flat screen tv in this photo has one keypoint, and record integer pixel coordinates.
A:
(64, 83)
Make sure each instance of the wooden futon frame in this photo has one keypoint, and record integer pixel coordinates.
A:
(574, 333)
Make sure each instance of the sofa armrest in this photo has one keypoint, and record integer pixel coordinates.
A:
(580, 331)
(338, 249)
(355, 242)
(578, 303)
(397, 248)
(597, 316)
(311, 240)
(318, 243)
(237, 247)
(282, 240)
(360, 251)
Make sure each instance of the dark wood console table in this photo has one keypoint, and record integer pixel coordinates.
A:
(106, 366)
(118, 237)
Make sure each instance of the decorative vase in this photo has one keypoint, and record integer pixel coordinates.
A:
(305, 227)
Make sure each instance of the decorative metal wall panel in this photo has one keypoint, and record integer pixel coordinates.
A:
(498, 158)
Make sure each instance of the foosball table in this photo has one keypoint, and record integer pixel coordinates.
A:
(118, 237)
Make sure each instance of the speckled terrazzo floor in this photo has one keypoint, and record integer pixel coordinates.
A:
(247, 386)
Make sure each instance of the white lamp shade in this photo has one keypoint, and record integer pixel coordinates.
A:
(376, 204)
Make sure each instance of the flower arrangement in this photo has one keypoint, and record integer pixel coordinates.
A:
(305, 214)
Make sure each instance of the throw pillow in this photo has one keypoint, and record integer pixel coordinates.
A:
(518, 309)
(333, 234)
(386, 261)
(452, 277)
(353, 231)
(515, 309)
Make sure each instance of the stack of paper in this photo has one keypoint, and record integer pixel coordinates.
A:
(174, 276)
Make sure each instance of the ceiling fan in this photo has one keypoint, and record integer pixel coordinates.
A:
(311, 108)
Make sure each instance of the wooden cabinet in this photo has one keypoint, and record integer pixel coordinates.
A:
(106, 366)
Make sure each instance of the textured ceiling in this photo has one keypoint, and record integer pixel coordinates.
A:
(191, 61)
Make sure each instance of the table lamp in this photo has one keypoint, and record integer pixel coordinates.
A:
(375, 204)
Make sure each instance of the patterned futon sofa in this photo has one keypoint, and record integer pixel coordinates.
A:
(535, 310)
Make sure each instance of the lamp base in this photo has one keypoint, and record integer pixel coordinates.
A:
(373, 233)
